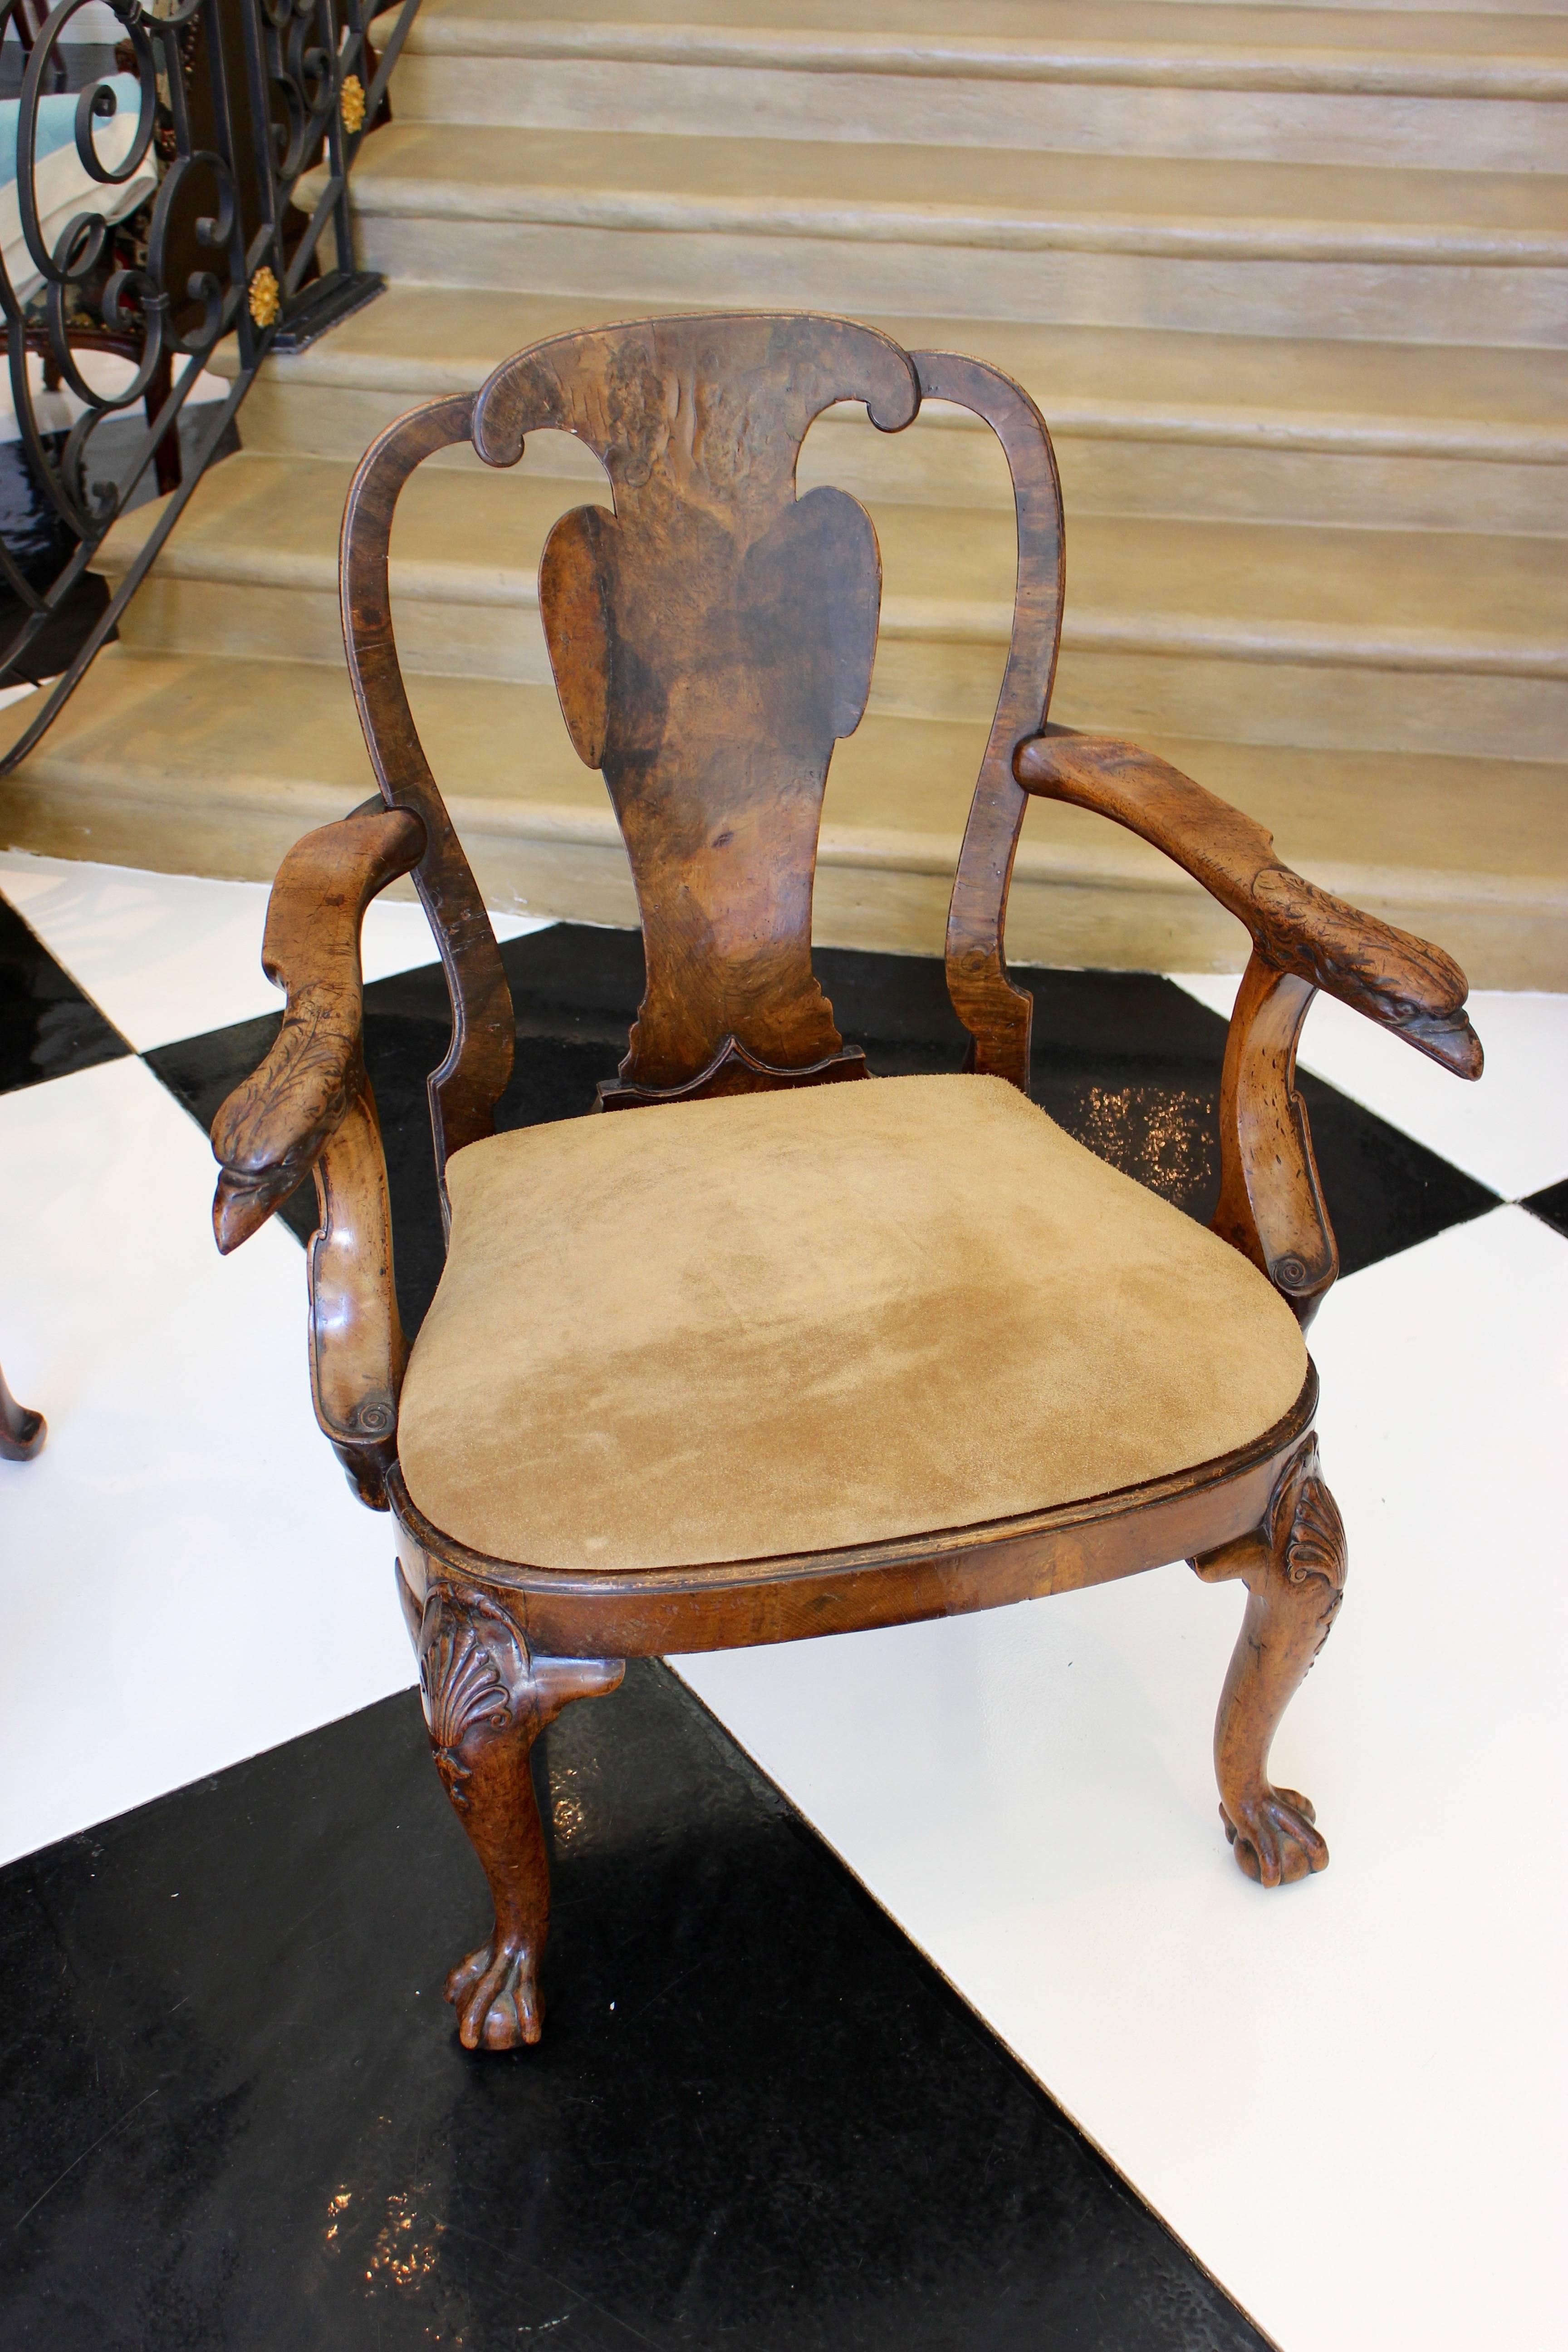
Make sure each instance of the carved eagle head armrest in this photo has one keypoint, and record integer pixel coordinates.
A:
(274, 1128)
(1402, 983)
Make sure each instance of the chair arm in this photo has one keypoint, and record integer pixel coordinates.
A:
(309, 1108)
(1400, 982)
(272, 1129)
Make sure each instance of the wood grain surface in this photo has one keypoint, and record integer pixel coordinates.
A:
(1293, 1566)
(712, 640)
(997, 1014)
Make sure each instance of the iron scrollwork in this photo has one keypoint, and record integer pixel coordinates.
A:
(237, 102)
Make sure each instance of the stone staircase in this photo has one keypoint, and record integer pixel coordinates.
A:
(1290, 285)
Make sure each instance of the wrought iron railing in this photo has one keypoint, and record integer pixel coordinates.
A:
(239, 100)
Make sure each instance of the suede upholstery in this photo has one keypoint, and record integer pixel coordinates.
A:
(774, 1323)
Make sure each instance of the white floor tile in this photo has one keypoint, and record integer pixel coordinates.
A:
(172, 955)
(1349, 2096)
(1510, 1129)
(185, 1577)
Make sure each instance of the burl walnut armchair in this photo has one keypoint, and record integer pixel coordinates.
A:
(803, 1354)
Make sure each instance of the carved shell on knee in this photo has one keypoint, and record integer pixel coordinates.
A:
(1306, 1530)
(471, 1664)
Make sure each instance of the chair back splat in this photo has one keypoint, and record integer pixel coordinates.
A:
(711, 638)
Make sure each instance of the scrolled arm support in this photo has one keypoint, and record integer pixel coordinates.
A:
(309, 1108)
(472, 1078)
(358, 1353)
(1271, 1204)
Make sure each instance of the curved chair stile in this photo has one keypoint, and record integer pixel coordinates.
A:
(470, 1081)
(996, 1014)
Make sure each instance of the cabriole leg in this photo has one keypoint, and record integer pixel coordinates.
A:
(1294, 1569)
(486, 1702)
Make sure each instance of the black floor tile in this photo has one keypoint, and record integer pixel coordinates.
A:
(1386, 1191)
(1130, 1065)
(235, 2112)
(1552, 1206)
(47, 1027)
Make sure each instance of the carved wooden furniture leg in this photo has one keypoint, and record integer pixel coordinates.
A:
(22, 1432)
(1294, 1569)
(485, 1702)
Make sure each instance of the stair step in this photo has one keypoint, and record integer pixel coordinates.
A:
(1401, 436)
(1289, 283)
(216, 766)
(1389, 640)
(1189, 243)
(1307, 85)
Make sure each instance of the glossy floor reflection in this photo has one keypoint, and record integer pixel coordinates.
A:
(236, 2114)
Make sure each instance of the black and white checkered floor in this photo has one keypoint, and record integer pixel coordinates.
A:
(768, 2111)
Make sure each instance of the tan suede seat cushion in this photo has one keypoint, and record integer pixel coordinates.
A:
(775, 1323)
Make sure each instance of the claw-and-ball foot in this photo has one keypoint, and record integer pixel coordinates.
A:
(1277, 1843)
(1294, 1570)
(497, 1998)
(487, 1700)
